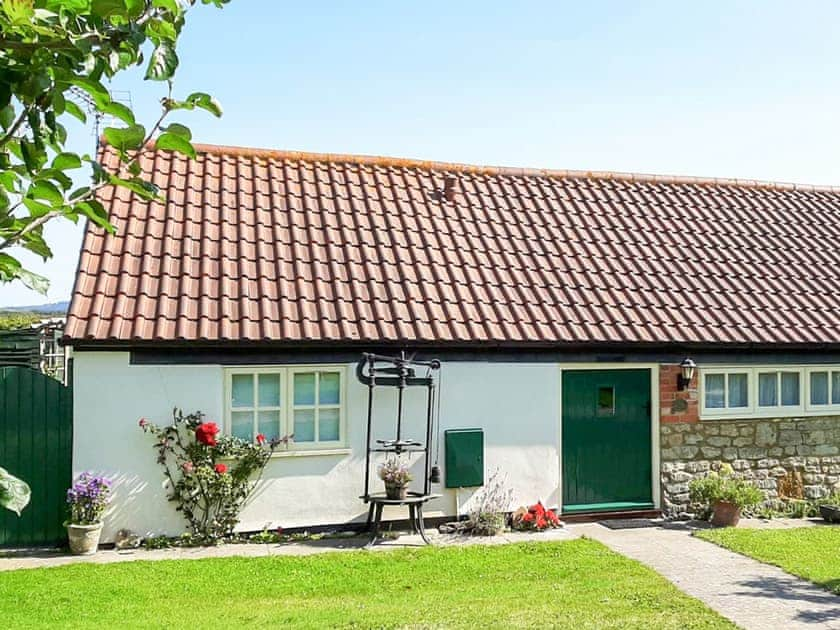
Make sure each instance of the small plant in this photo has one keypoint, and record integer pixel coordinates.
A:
(14, 492)
(209, 476)
(535, 518)
(87, 499)
(396, 476)
(394, 472)
(724, 487)
(488, 515)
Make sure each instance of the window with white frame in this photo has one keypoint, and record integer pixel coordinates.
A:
(303, 402)
(769, 391)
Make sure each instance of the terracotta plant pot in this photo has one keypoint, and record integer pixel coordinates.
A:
(393, 491)
(725, 514)
(84, 539)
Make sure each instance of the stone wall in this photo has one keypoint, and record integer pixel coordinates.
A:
(761, 450)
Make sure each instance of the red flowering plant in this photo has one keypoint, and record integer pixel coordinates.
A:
(210, 476)
(535, 518)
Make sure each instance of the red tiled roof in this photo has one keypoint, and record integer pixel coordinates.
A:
(255, 245)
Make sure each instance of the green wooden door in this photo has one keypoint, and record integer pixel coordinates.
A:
(606, 440)
(36, 437)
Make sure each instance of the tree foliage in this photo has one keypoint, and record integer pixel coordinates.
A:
(53, 52)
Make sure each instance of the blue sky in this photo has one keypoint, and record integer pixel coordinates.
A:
(733, 89)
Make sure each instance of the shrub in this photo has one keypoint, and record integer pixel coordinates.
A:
(394, 473)
(724, 486)
(87, 499)
(489, 512)
(209, 476)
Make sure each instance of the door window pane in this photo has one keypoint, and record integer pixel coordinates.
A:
(269, 390)
(714, 391)
(738, 390)
(819, 388)
(304, 425)
(242, 390)
(835, 388)
(328, 388)
(305, 389)
(790, 388)
(268, 423)
(328, 425)
(242, 425)
(606, 401)
(768, 394)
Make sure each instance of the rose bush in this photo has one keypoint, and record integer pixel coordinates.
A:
(209, 493)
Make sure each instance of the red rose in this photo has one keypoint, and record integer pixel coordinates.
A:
(538, 509)
(206, 433)
(541, 523)
(527, 517)
(221, 469)
(143, 422)
(260, 439)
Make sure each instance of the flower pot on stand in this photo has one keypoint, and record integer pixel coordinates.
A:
(725, 514)
(84, 539)
(396, 491)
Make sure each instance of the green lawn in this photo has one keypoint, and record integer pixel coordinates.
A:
(578, 584)
(812, 553)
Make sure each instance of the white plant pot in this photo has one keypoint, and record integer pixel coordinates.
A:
(84, 539)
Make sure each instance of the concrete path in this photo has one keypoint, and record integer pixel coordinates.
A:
(39, 558)
(752, 594)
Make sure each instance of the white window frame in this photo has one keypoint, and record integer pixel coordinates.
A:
(725, 411)
(829, 407)
(753, 409)
(286, 374)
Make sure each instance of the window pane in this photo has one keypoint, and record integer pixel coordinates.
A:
(242, 390)
(328, 425)
(714, 391)
(768, 385)
(268, 388)
(738, 390)
(268, 423)
(835, 388)
(606, 401)
(819, 388)
(304, 389)
(790, 388)
(328, 388)
(242, 425)
(305, 425)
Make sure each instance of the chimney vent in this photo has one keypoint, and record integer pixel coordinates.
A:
(449, 188)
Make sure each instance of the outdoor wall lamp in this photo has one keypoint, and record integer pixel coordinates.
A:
(684, 378)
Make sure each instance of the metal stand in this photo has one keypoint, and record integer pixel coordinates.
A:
(400, 372)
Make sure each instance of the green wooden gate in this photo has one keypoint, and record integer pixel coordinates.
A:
(606, 440)
(36, 442)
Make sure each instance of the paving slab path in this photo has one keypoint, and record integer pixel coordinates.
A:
(752, 594)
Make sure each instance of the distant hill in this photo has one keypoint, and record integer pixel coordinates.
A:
(58, 308)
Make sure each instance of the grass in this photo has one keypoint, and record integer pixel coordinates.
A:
(808, 552)
(578, 583)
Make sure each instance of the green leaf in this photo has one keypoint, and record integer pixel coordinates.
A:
(7, 116)
(163, 62)
(94, 88)
(96, 212)
(171, 142)
(36, 283)
(126, 139)
(36, 208)
(43, 189)
(179, 130)
(67, 161)
(168, 5)
(14, 493)
(206, 102)
(74, 110)
(118, 110)
(107, 8)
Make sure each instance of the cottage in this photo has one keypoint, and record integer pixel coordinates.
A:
(568, 310)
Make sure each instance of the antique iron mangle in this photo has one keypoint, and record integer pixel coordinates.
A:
(400, 372)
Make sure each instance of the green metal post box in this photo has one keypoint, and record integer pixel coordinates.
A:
(464, 457)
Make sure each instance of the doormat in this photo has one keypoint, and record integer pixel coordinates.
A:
(628, 523)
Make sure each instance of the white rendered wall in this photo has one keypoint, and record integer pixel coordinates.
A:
(517, 405)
